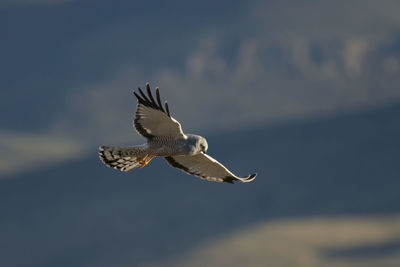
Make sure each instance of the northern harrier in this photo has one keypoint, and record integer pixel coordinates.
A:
(166, 139)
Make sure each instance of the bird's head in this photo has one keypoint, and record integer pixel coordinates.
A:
(198, 143)
(203, 145)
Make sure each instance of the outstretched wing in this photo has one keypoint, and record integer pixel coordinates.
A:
(207, 168)
(151, 119)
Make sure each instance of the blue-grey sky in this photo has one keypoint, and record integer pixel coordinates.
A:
(303, 92)
(68, 67)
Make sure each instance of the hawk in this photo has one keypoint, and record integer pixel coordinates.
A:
(165, 138)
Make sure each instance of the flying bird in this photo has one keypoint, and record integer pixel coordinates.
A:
(165, 138)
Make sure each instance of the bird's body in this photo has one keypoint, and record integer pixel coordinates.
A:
(165, 138)
(189, 144)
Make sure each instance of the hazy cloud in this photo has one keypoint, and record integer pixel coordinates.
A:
(354, 52)
(304, 242)
(23, 152)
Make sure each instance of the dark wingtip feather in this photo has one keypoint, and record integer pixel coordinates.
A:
(140, 100)
(144, 96)
(229, 180)
(148, 100)
(167, 109)
(150, 95)
(251, 177)
(159, 99)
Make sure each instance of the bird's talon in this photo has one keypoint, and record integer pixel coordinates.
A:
(145, 161)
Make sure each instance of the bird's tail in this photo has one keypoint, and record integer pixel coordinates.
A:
(122, 158)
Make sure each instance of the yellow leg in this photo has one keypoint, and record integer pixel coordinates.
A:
(143, 160)
(146, 161)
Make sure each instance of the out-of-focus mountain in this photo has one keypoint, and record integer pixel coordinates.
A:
(83, 214)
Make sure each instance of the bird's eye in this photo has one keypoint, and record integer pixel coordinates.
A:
(203, 148)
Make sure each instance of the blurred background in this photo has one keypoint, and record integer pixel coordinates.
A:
(306, 93)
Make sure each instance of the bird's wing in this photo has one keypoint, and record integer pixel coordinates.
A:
(207, 168)
(151, 119)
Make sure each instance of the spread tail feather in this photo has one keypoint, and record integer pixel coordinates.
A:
(122, 158)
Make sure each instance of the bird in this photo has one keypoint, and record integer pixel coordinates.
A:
(166, 139)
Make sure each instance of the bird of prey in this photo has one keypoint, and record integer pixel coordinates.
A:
(165, 138)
